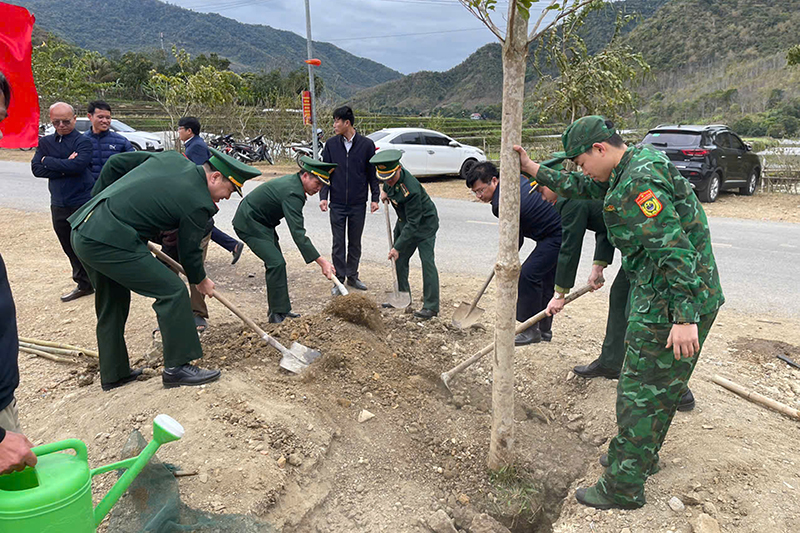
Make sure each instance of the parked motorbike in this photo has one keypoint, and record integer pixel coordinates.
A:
(305, 148)
(260, 147)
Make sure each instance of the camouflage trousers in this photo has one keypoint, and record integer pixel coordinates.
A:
(650, 386)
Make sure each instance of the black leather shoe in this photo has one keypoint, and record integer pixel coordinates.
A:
(356, 283)
(76, 293)
(277, 318)
(425, 314)
(594, 370)
(532, 335)
(237, 252)
(120, 382)
(188, 375)
(686, 403)
(547, 336)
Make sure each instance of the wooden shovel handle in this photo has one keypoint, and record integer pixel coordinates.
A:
(224, 301)
(520, 328)
(477, 299)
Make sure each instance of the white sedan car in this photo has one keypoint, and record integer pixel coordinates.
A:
(140, 140)
(428, 152)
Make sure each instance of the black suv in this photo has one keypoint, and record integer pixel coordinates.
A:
(712, 158)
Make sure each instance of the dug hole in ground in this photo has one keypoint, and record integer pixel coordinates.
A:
(291, 451)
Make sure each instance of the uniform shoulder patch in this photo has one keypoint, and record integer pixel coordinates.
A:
(649, 204)
(404, 189)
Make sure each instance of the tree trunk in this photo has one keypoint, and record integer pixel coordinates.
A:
(507, 269)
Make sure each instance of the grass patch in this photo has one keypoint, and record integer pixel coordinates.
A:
(518, 497)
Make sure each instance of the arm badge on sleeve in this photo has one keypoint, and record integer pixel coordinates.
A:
(649, 204)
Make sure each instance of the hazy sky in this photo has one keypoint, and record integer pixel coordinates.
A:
(444, 32)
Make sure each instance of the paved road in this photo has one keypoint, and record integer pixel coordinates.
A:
(758, 261)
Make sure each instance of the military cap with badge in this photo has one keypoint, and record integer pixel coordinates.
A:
(386, 162)
(320, 169)
(236, 171)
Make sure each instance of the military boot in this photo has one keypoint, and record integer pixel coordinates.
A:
(592, 498)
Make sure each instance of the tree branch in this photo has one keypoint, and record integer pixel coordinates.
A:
(535, 33)
(482, 14)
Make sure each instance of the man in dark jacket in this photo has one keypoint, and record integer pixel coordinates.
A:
(64, 158)
(539, 221)
(105, 142)
(355, 177)
(196, 149)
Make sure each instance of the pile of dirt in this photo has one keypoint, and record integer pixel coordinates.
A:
(358, 309)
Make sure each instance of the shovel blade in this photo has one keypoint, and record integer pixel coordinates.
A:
(304, 353)
(298, 357)
(397, 299)
(292, 364)
(463, 318)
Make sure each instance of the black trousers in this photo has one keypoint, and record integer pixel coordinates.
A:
(349, 220)
(537, 281)
(223, 239)
(63, 230)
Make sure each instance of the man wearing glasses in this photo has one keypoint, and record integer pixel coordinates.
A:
(65, 159)
(539, 221)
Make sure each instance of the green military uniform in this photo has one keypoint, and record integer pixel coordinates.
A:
(159, 192)
(260, 213)
(416, 227)
(654, 218)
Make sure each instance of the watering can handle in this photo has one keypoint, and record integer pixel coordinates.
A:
(70, 444)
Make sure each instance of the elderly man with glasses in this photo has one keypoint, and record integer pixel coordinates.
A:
(65, 159)
(539, 221)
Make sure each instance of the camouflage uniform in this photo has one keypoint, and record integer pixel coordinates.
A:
(654, 218)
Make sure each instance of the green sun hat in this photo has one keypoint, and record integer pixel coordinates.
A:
(386, 163)
(581, 135)
(236, 171)
(320, 169)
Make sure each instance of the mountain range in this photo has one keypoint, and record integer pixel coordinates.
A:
(134, 25)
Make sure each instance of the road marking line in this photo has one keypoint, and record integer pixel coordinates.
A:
(721, 245)
(788, 245)
(482, 222)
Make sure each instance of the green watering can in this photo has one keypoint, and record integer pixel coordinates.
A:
(56, 495)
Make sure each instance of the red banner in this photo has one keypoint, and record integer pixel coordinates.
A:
(306, 108)
(21, 128)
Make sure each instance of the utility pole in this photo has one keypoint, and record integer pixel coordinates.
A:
(314, 143)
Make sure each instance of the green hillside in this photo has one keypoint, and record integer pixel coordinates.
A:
(476, 84)
(729, 64)
(133, 25)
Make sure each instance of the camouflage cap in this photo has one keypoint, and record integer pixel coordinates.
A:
(582, 134)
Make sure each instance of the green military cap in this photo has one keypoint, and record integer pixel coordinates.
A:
(581, 135)
(386, 163)
(320, 169)
(555, 164)
(234, 170)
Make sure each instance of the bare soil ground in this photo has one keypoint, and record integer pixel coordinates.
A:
(290, 450)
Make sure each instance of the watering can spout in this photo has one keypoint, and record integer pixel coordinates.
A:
(165, 429)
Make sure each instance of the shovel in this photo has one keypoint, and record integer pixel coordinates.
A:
(340, 286)
(294, 359)
(468, 314)
(447, 376)
(396, 298)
